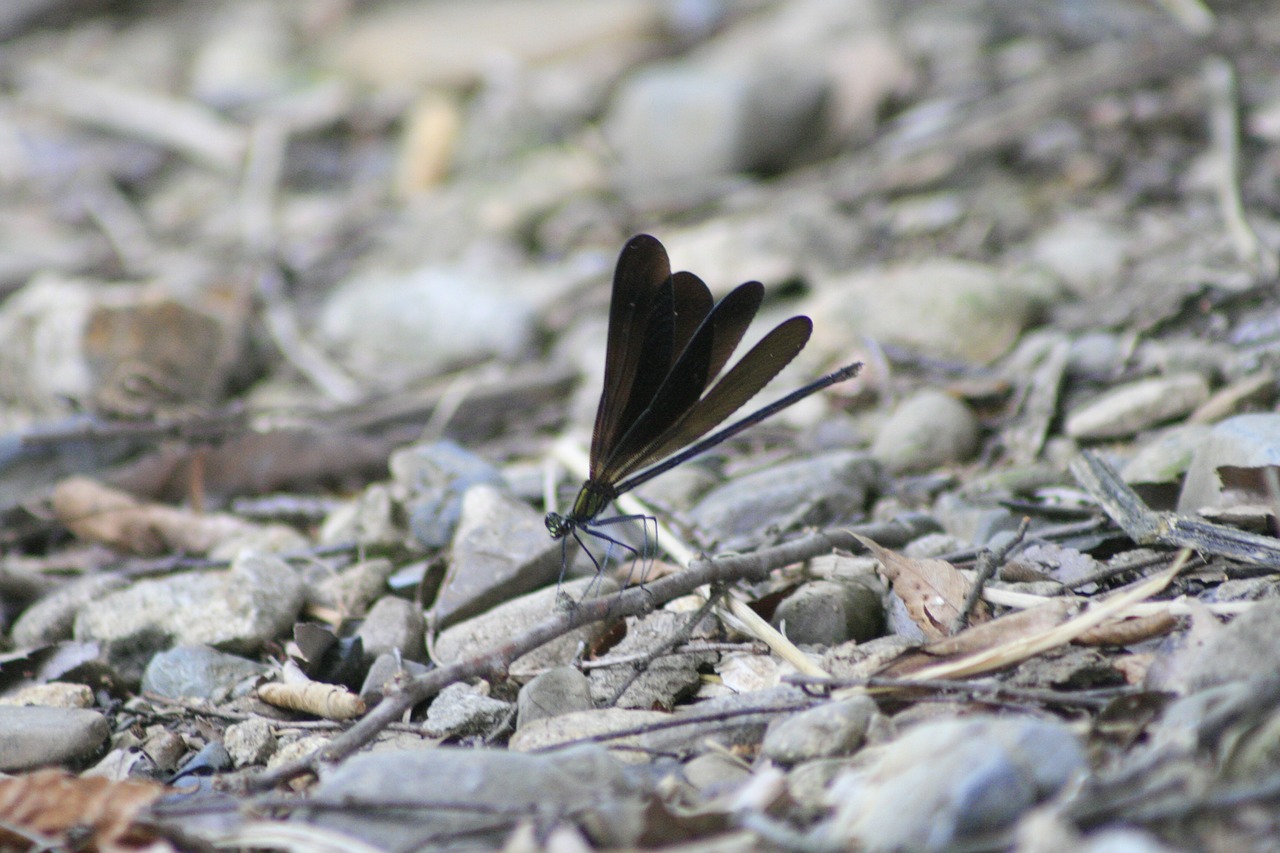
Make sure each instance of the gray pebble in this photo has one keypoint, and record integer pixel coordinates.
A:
(53, 617)
(1244, 589)
(249, 742)
(665, 680)
(830, 612)
(549, 732)
(559, 690)
(714, 773)
(387, 667)
(237, 611)
(165, 748)
(833, 729)
(460, 710)
(500, 550)
(394, 624)
(33, 736)
(370, 521)
(975, 312)
(927, 429)
(807, 492)
(392, 328)
(437, 475)
(482, 633)
(1165, 458)
(199, 672)
(1213, 654)
(1095, 354)
(973, 523)
(944, 781)
(808, 781)
(1245, 441)
(681, 123)
(354, 588)
(1130, 408)
(479, 794)
(1084, 251)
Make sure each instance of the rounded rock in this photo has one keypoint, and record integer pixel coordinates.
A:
(927, 430)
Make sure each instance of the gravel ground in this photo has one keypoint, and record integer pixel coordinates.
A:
(303, 320)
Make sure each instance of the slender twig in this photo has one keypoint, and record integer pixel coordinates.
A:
(268, 143)
(1059, 532)
(190, 428)
(1108, 572)
(680, 636)
(1145, 526)
(286, 333)
(119, 221)
(180, 125)
(989, 560)
(684, 649)
(976, 690)
(169, 706)
(1224, 133)
(493, 664)
(675, 721)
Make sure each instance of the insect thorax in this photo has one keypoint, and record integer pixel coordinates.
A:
(592, 498)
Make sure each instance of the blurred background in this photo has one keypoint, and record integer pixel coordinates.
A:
(282, 204)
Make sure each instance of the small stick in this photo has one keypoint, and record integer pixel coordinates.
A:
(493, 663)
(286, 334)
(680, 636)
(184, 126)
(1224, 133)
(988, 562)
(979, 691)
(1145, 526)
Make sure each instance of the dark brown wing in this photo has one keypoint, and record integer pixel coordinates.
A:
(692, 305)
(744, 380)
(702, 359)
(642, 270)
(683, 303)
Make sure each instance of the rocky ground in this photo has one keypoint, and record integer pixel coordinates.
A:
(302, 321)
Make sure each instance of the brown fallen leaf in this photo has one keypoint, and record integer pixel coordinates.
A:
(1001, 631)
(57, 806)
(1017, 649)
(1127, 632)
(97, 513)
(932, 590)
(1019, 635)
(1004, 629)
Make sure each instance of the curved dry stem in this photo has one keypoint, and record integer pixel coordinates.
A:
(493, 664)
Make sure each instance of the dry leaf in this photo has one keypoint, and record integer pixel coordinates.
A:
(314, 697)
(1020, 648)
(1007, 629)
(1027, 633)
(932, 590)
(52, 804)
(1126, 632)
(97, 513)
